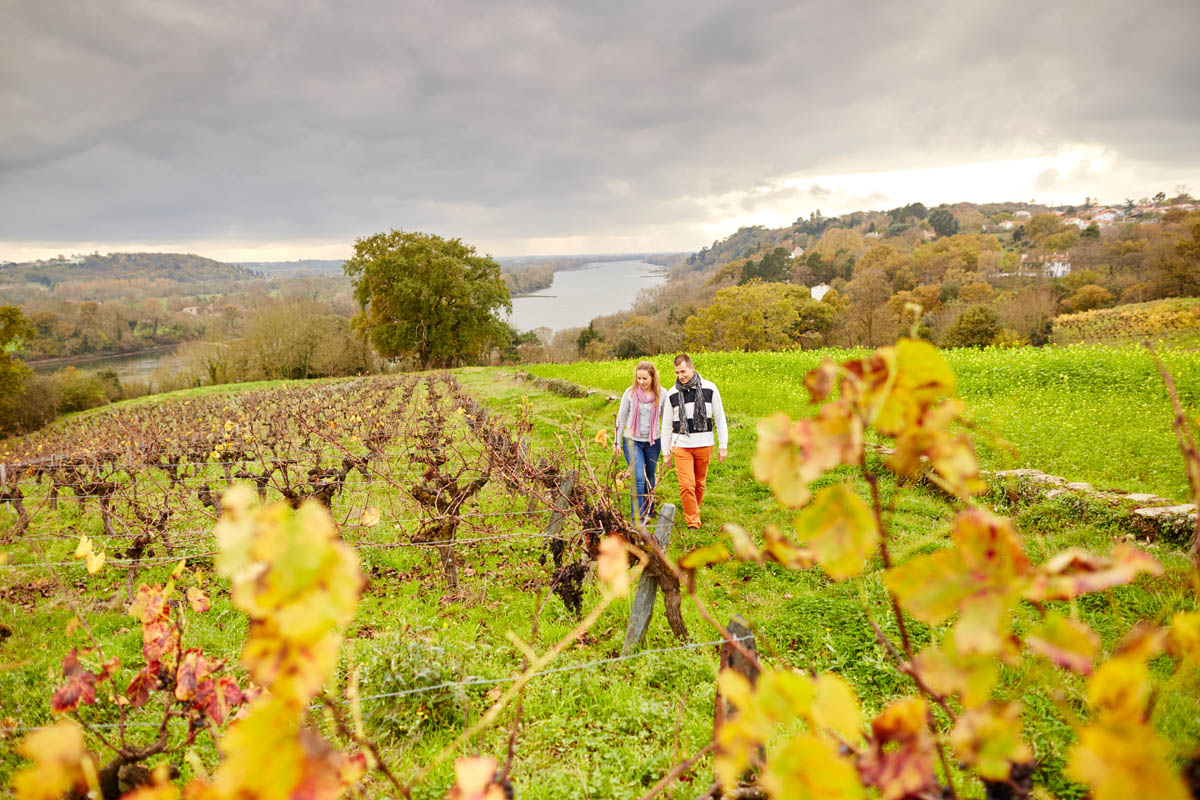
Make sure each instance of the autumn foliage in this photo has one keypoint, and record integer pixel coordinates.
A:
(806, 732)
(299, 585)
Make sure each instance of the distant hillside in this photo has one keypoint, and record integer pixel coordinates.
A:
(182, 268)
(307, 266)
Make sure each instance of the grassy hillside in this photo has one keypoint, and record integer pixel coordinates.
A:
(598, 728)
(1096, 414)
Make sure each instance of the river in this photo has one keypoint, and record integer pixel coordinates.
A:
(126, 365)
(578, 295)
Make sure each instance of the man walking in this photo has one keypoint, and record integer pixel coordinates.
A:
(687, 433)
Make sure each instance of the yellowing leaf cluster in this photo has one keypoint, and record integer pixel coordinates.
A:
(300, 587)
(298, 584)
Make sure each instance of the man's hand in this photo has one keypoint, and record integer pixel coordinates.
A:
(721, 454)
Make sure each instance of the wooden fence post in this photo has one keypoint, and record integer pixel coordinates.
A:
(732, 659)
(643, 600)
(559, 516)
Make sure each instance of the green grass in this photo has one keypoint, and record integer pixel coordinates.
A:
(612, 732)
(1095, 414)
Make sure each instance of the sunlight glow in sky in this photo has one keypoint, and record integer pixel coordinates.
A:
(1064, 178)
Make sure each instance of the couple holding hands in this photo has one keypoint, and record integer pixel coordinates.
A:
(678, 422)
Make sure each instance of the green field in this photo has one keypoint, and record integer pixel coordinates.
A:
(611, 729)
(1095, 414)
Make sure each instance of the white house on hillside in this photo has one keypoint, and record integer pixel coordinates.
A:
(819, 291)
(1052, 265)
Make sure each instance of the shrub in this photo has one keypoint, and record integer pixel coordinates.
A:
(34, 407)
(977, 326)
(79, 391)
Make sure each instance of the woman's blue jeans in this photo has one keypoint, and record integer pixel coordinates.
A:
(642, 458)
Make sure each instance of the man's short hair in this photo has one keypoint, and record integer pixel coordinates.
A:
(683, 358)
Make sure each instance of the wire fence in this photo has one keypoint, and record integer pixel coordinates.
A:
(472, 681)
(148, 562)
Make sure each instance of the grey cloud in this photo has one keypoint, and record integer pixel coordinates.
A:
(136, 119)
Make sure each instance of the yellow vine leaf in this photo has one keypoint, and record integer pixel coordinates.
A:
(982, 576)
(263, 755)
(900, 761)
(1120, 754)
(1120, 689)
(790, 455)
(298, 583)
(807, 767)
(739, 737)
(58, 755)
(835, 707)
(1183, 640)
(601, 437)
(84, 547)
(782, 550)
(1065, 641)
(1074, 572)
(1120, 760)
(705, 557)
(160, 789)
(197, 600)
(94, 562)
(612, 565)
(946, 671)
(840, 528)
(951, 455)
(370, 517)
(782, 695)
(86, 550)
(474, 779)
(743, 546)
(989, 738)
(892, 387)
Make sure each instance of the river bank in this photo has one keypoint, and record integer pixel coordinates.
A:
(579, 294)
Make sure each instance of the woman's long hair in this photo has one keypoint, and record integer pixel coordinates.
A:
(648, 366)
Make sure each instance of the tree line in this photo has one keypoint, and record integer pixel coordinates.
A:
(978, 275)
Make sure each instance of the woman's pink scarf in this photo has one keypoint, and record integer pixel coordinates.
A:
(638, 399)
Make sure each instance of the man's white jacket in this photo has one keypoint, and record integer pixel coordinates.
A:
(674, 435)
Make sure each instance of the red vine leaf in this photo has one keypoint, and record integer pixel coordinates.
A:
(79, 688)
(143, 684)
(193, 669)
(900, 761)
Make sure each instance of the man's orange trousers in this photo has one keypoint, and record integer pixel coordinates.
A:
(691, 470)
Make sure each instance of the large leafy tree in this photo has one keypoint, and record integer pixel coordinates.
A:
(13, 327)
(943, 222)
(757, 316)
(432, 299)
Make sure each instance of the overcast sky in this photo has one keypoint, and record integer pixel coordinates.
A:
(280, 129)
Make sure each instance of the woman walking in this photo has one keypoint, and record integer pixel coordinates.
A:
(642, 409)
